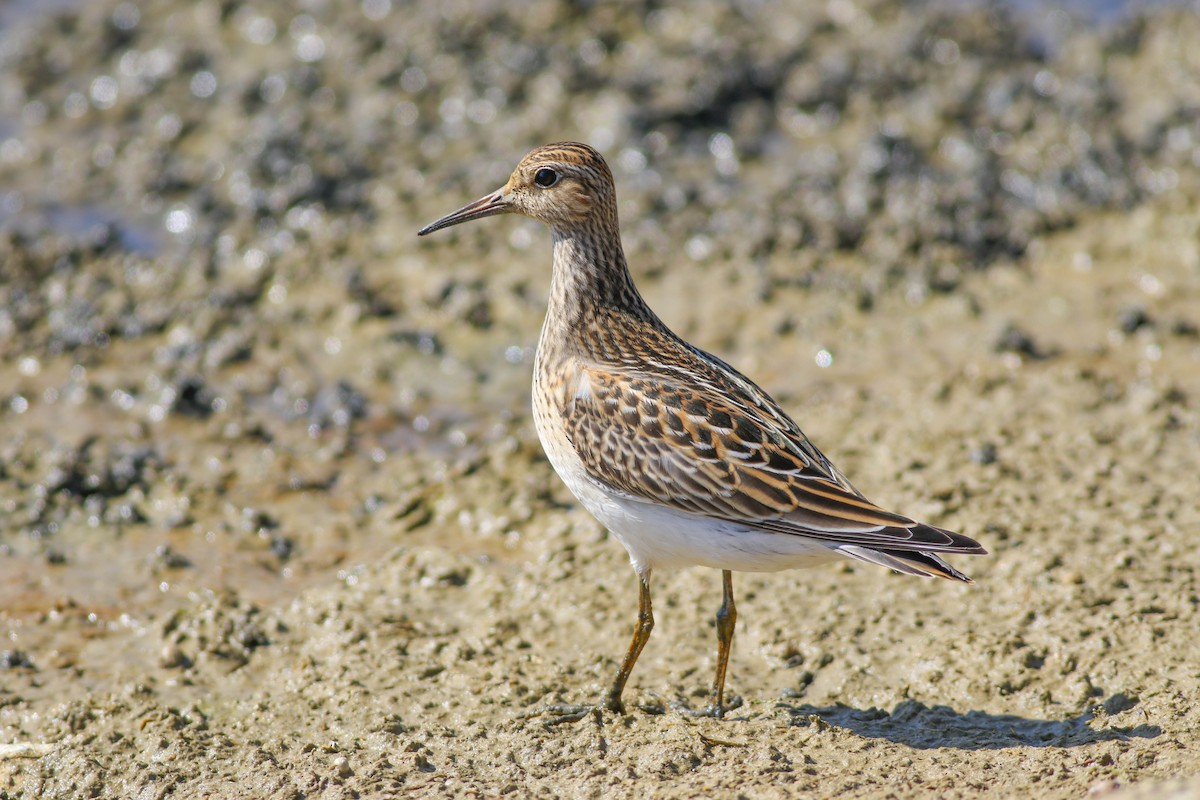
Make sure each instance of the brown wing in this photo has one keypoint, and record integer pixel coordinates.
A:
(727, 451)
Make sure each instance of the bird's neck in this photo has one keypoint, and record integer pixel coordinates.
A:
(591, 280)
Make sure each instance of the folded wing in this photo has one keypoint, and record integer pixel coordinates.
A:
(728, 451)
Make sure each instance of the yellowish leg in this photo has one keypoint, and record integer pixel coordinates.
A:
(726, 619)
(641, 635)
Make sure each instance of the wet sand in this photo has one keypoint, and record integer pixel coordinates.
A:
(274, 521)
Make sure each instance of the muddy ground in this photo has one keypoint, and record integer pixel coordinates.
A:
(273, 518)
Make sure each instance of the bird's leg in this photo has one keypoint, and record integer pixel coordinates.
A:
(726, 619)
(641, 635)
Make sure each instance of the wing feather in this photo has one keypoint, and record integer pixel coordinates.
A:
(716, 444)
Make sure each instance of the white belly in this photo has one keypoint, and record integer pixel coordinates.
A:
(657, 536)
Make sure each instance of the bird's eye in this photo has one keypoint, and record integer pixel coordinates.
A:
(545, 178)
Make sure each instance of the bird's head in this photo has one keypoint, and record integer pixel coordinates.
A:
(566, 185)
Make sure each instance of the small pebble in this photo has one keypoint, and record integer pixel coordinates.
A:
(172, 656)
(1134, 319)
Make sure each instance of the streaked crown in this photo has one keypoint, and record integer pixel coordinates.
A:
(567, 185)
(563, 184)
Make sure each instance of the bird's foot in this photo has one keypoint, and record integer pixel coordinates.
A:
(560, 713)
(713, 709)
(571, 712)
(563, 712)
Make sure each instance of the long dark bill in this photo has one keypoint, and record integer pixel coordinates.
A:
(494, 203)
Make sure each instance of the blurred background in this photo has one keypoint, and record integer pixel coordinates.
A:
(231, 376)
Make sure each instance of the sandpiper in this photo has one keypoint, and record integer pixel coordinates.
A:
(684, 459)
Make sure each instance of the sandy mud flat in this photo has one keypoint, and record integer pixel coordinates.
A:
(274, 521)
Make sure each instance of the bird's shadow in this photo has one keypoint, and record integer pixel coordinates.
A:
(928, 727)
